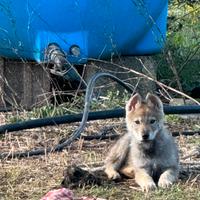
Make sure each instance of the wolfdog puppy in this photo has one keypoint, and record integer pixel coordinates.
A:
(147, 151)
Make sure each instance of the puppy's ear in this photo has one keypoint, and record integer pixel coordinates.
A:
(154, 101)
(133, 103)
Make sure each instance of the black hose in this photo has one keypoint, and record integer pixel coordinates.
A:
(77, 133)
(98, 115)
(85, 116)
(182, 110)
(52, 121)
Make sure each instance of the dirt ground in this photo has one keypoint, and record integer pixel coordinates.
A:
(32, 177)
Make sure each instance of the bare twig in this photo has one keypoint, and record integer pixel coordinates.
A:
(151, 79)
(189, 57)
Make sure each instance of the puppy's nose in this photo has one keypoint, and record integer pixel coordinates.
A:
(145, 136)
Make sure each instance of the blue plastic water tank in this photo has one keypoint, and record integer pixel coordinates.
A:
(100, 29)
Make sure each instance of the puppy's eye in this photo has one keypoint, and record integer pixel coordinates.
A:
(152, 121)
(137, 122)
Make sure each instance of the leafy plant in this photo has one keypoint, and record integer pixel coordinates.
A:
(183, 41)
(110, 100)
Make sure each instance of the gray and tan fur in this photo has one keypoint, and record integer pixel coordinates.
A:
(147, 151)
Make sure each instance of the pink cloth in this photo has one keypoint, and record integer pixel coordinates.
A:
(87, 198)
(64, 194)
(60, 194)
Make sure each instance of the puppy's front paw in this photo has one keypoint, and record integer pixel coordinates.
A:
(112, 174)
(164, 183)
(148, 186)
(166, 180)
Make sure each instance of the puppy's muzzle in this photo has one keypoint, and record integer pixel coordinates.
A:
(145, 136)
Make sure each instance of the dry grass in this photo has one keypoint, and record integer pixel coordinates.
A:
(31, 178)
